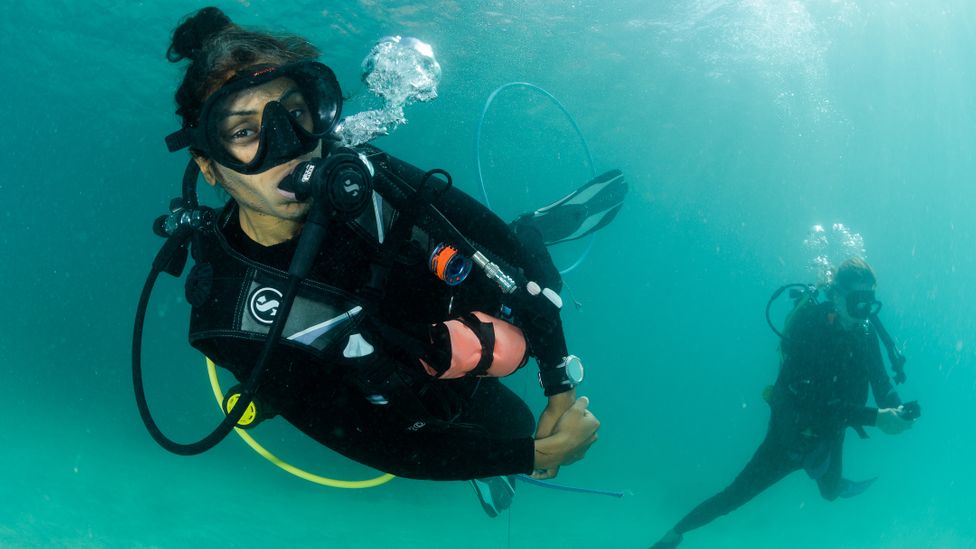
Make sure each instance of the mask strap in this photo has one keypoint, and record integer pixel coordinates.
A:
(190, 176)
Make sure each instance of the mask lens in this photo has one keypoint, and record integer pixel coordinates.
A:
(275, 115)
(862, 303)
(235, 122)
(322, 96)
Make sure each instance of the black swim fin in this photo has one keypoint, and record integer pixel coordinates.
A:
(495, 493)
(587, 209)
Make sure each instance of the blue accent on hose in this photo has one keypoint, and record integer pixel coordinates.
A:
(477, 149)
(545, 484)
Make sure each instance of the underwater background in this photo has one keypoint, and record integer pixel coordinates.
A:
(739, 125)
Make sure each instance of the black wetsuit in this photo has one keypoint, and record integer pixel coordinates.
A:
(821, 390)
(490, 431)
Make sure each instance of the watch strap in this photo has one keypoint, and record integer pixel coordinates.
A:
(555, 380)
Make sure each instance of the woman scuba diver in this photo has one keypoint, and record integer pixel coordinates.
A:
(379, 346)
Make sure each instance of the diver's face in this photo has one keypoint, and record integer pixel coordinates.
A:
(239, 116)
(854, 304)
(258, 195)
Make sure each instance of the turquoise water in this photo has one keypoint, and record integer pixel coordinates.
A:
(739, 126)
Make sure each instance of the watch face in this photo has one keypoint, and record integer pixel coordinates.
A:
(574, 369)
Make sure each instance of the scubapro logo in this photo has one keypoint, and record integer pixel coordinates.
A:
(351, 187)
(264, 304)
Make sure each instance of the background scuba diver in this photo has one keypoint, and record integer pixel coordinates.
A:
(253, 107)
(830, 355)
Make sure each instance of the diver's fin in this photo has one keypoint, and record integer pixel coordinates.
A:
(495, 493)
(850, 488)
(583, 211)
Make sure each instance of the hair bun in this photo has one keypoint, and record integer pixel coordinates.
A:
(194, 31)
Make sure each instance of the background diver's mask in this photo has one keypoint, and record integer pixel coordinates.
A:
(292, 124)
(862, 304)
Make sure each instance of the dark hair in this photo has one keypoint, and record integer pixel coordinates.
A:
(854, 271)
(217, 49)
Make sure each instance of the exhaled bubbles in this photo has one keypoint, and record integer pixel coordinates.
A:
(829, 247)
(399, 71)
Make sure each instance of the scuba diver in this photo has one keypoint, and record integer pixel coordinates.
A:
(830, 355)
(341, 285)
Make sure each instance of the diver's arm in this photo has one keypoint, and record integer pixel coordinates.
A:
(886, 415)
(489, 232)
(493, 236)
(884, 392)
(889, 417)
(538, 318)
(477, 222)
(888, 420)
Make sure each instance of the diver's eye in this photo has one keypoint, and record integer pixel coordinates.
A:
(242, 134)
(302, 116)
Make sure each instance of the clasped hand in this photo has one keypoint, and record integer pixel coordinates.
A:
(565, 432)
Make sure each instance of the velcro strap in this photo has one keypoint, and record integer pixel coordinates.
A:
(485, 332)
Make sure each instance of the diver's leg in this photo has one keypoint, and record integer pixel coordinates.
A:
(830, 483)
(491, 406)
(496, 409)
(768, 466)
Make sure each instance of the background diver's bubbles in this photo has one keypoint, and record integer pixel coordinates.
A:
(399, 71)
(829, 247)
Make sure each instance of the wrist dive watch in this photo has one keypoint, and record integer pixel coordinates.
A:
(562, 377)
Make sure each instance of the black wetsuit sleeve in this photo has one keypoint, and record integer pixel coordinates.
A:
(545, 335)
(491, 235)
(482, 226)
(884, 392)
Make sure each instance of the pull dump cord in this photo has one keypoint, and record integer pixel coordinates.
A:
(895, 356)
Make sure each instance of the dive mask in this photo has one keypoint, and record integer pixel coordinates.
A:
(304, 107)
(861, 304)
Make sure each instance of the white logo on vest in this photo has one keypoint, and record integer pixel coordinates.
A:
(264, 304)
